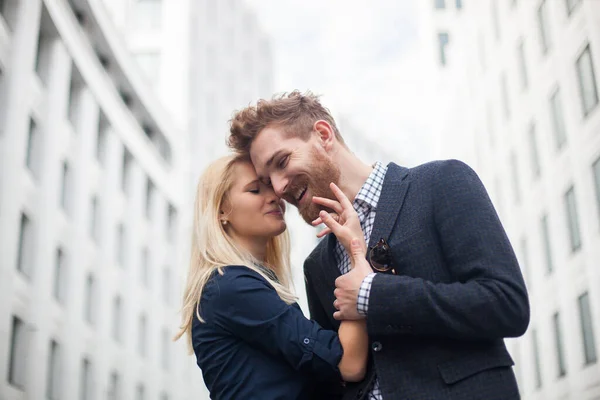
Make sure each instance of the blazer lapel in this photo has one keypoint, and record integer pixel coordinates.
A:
(395, 187)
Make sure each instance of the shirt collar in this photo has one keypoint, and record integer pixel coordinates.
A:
(369, 193)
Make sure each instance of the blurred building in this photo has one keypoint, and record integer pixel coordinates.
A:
(91, 191)
(518, 100)
(109, 111)
(204, 58)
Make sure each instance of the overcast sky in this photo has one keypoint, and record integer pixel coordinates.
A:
(365, 58)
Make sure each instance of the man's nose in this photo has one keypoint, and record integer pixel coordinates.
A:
(280, 185)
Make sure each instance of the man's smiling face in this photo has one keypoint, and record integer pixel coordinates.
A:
(297, 169)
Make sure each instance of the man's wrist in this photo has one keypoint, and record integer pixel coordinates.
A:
(364, 292)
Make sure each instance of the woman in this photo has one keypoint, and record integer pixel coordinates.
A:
(249, 335)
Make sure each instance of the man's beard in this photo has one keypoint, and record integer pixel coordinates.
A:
(322, 172)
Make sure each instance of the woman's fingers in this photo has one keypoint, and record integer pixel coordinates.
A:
(335, 216)
(331, 204)
(323, 232)
(345, 203)
(330, 222)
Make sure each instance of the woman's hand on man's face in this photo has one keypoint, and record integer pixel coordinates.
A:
(343, 221)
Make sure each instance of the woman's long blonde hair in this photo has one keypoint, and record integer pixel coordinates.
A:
(212, 248)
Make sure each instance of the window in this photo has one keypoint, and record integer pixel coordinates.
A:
(53, 383)
(543, 27)
(25, 249)
(547, 244)
(439, 4)
(165, 351)
(44, 47)
(121, 245)
(102, 138)
(149, 197)
(75, 92)
(498, 198)
(596, 173)
(32, 156)
(171, 223)
(572, 5)
(495, 19)
(8, 11)
(126, 172)
(533, 152)
(117, 327)
(114, 386)
(504, 92)
(459, 4)
(166, 281)
(536, 359)
(516, 355)
(18, 353)
(3, 4)
(65, 187)
(522, 65)
(60, 274)
(587, 329)
(148, 14)
(515, 177)
(558, 342)
(481, 50)
(140, 392)
(587, 81)
(94, 218)
(558, 120)
(85, 384)
(150, 64)
(142, 335)
(490, 123)
(572, 219)
(89, 299)
(524, 262)
(443, 40)
(145, 267)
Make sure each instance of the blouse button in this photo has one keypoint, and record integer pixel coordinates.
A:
(306, 340)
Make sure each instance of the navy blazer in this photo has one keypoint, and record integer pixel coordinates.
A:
(253, 345)
(436, 328)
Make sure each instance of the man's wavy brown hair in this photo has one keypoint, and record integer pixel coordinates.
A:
(295, 112)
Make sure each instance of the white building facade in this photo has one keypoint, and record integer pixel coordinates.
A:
(91, 196)
(518, 100)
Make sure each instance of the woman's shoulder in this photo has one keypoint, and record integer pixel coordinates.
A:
(231, 279)
(233, 272)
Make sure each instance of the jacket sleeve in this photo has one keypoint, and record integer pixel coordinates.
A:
(316, 310)
(246, 305)
(488, 299)
(333, 388)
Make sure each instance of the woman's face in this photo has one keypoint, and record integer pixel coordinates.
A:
(252, 210)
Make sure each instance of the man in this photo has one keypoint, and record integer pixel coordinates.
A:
(446, 288)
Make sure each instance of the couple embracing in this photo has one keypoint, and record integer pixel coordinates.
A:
(411, 292)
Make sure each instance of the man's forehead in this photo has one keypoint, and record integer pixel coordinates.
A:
(266, 144)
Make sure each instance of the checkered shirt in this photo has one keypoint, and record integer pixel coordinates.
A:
(365, 204)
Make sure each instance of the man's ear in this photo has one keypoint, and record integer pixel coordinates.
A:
(326, 134)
